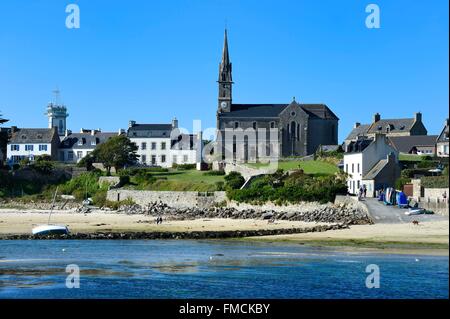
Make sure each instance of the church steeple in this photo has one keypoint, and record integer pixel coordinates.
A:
(225, 78)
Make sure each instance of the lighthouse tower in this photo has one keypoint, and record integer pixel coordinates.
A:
(57, 114)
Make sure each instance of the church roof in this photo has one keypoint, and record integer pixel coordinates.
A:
(320, 111)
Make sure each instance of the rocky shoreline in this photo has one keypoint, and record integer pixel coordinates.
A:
(178, 235)
(344, 213)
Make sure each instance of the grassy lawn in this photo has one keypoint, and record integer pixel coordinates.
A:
(310, 167)
(411, 157)
(182, 180)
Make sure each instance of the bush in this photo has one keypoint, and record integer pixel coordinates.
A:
(184, 166)
(220, 186)
(400, 182)
(214, 173)
(234, 180)
(426, 164)
(435, 181)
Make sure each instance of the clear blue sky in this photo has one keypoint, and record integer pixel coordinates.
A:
(153, 60)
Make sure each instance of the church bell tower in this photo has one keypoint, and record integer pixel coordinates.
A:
(225, 80)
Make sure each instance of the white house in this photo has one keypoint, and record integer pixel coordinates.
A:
(442, 142)
(372, 162)
(31, 142)
(75, 146)
(162, 144)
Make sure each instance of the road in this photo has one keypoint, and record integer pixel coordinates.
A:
(383, 214)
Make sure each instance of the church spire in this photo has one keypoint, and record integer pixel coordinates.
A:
(225, 79)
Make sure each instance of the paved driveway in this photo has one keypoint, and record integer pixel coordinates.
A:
(392, 214)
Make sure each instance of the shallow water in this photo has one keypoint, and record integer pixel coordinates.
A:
(211, 269)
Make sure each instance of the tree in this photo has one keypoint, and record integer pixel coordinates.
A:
(116, 152)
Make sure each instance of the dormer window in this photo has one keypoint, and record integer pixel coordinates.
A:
(23, 137)
(39, 136)
(236, 124)
(94, 142)
(254, 125)
(80, 141)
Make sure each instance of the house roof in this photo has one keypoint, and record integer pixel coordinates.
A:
(359, 145)
(71, 141)
(273, 111)
(32, 135)
(443, 137)
(404, 144)
(395, 125)
(361, 130)
(375, 170)
(150, 130)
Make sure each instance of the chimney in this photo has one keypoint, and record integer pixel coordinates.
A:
(92, 132)
(357, 124)
(376, 117)
(418, 117)
(174, 123)
(67, 132)
(13, 129)
(121, 131)
(131, 123)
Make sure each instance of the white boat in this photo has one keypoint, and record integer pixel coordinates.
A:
(49, 229)
(419, 211)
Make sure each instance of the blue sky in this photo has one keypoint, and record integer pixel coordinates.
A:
(152, 60)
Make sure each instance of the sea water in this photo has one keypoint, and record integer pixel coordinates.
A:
(210, 269)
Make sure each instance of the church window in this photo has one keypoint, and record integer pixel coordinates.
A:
(292, 113)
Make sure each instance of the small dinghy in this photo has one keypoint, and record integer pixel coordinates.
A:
(419, 211)
(49, 229)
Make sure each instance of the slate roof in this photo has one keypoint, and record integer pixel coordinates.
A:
(395, 125)
(320, 111)
(71, 141)
(150, 130)
(375, 170)
(359, 145)
(404, 144)
(361, 130)
(32, 135)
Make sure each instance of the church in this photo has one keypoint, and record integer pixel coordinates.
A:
(261, 132)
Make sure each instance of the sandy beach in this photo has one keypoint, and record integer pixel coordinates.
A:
(428, 237)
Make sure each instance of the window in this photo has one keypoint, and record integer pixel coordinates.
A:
(79, 154)
(153, 159)
(163, 158)
(80, 141)
(346, 168)
(153, 146)
(185, 158)
(43, 148)
(272, 124)
(143, 146)
(254, 125)
(353, 168)
(15, 147)
(29, 148)
(174, 159)
(94, 142)
(163, 145)
(236, 124)
(143, 159)
(358, 167)
(70, 156)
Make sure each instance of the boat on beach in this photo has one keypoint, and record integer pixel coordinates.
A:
(50, 229)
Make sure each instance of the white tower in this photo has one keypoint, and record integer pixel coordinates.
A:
(57, 114)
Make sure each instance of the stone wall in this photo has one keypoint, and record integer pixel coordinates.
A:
(435, 193)
(173, 199)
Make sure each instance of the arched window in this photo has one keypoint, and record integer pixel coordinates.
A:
(293, 129)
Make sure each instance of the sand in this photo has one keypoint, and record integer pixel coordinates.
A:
(428, 237)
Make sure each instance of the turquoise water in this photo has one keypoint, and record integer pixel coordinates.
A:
(211, 269)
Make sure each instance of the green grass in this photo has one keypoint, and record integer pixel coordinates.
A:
(411, 157)
(309, 167)
(188, 176)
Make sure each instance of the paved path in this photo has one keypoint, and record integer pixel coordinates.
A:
(383, 214)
